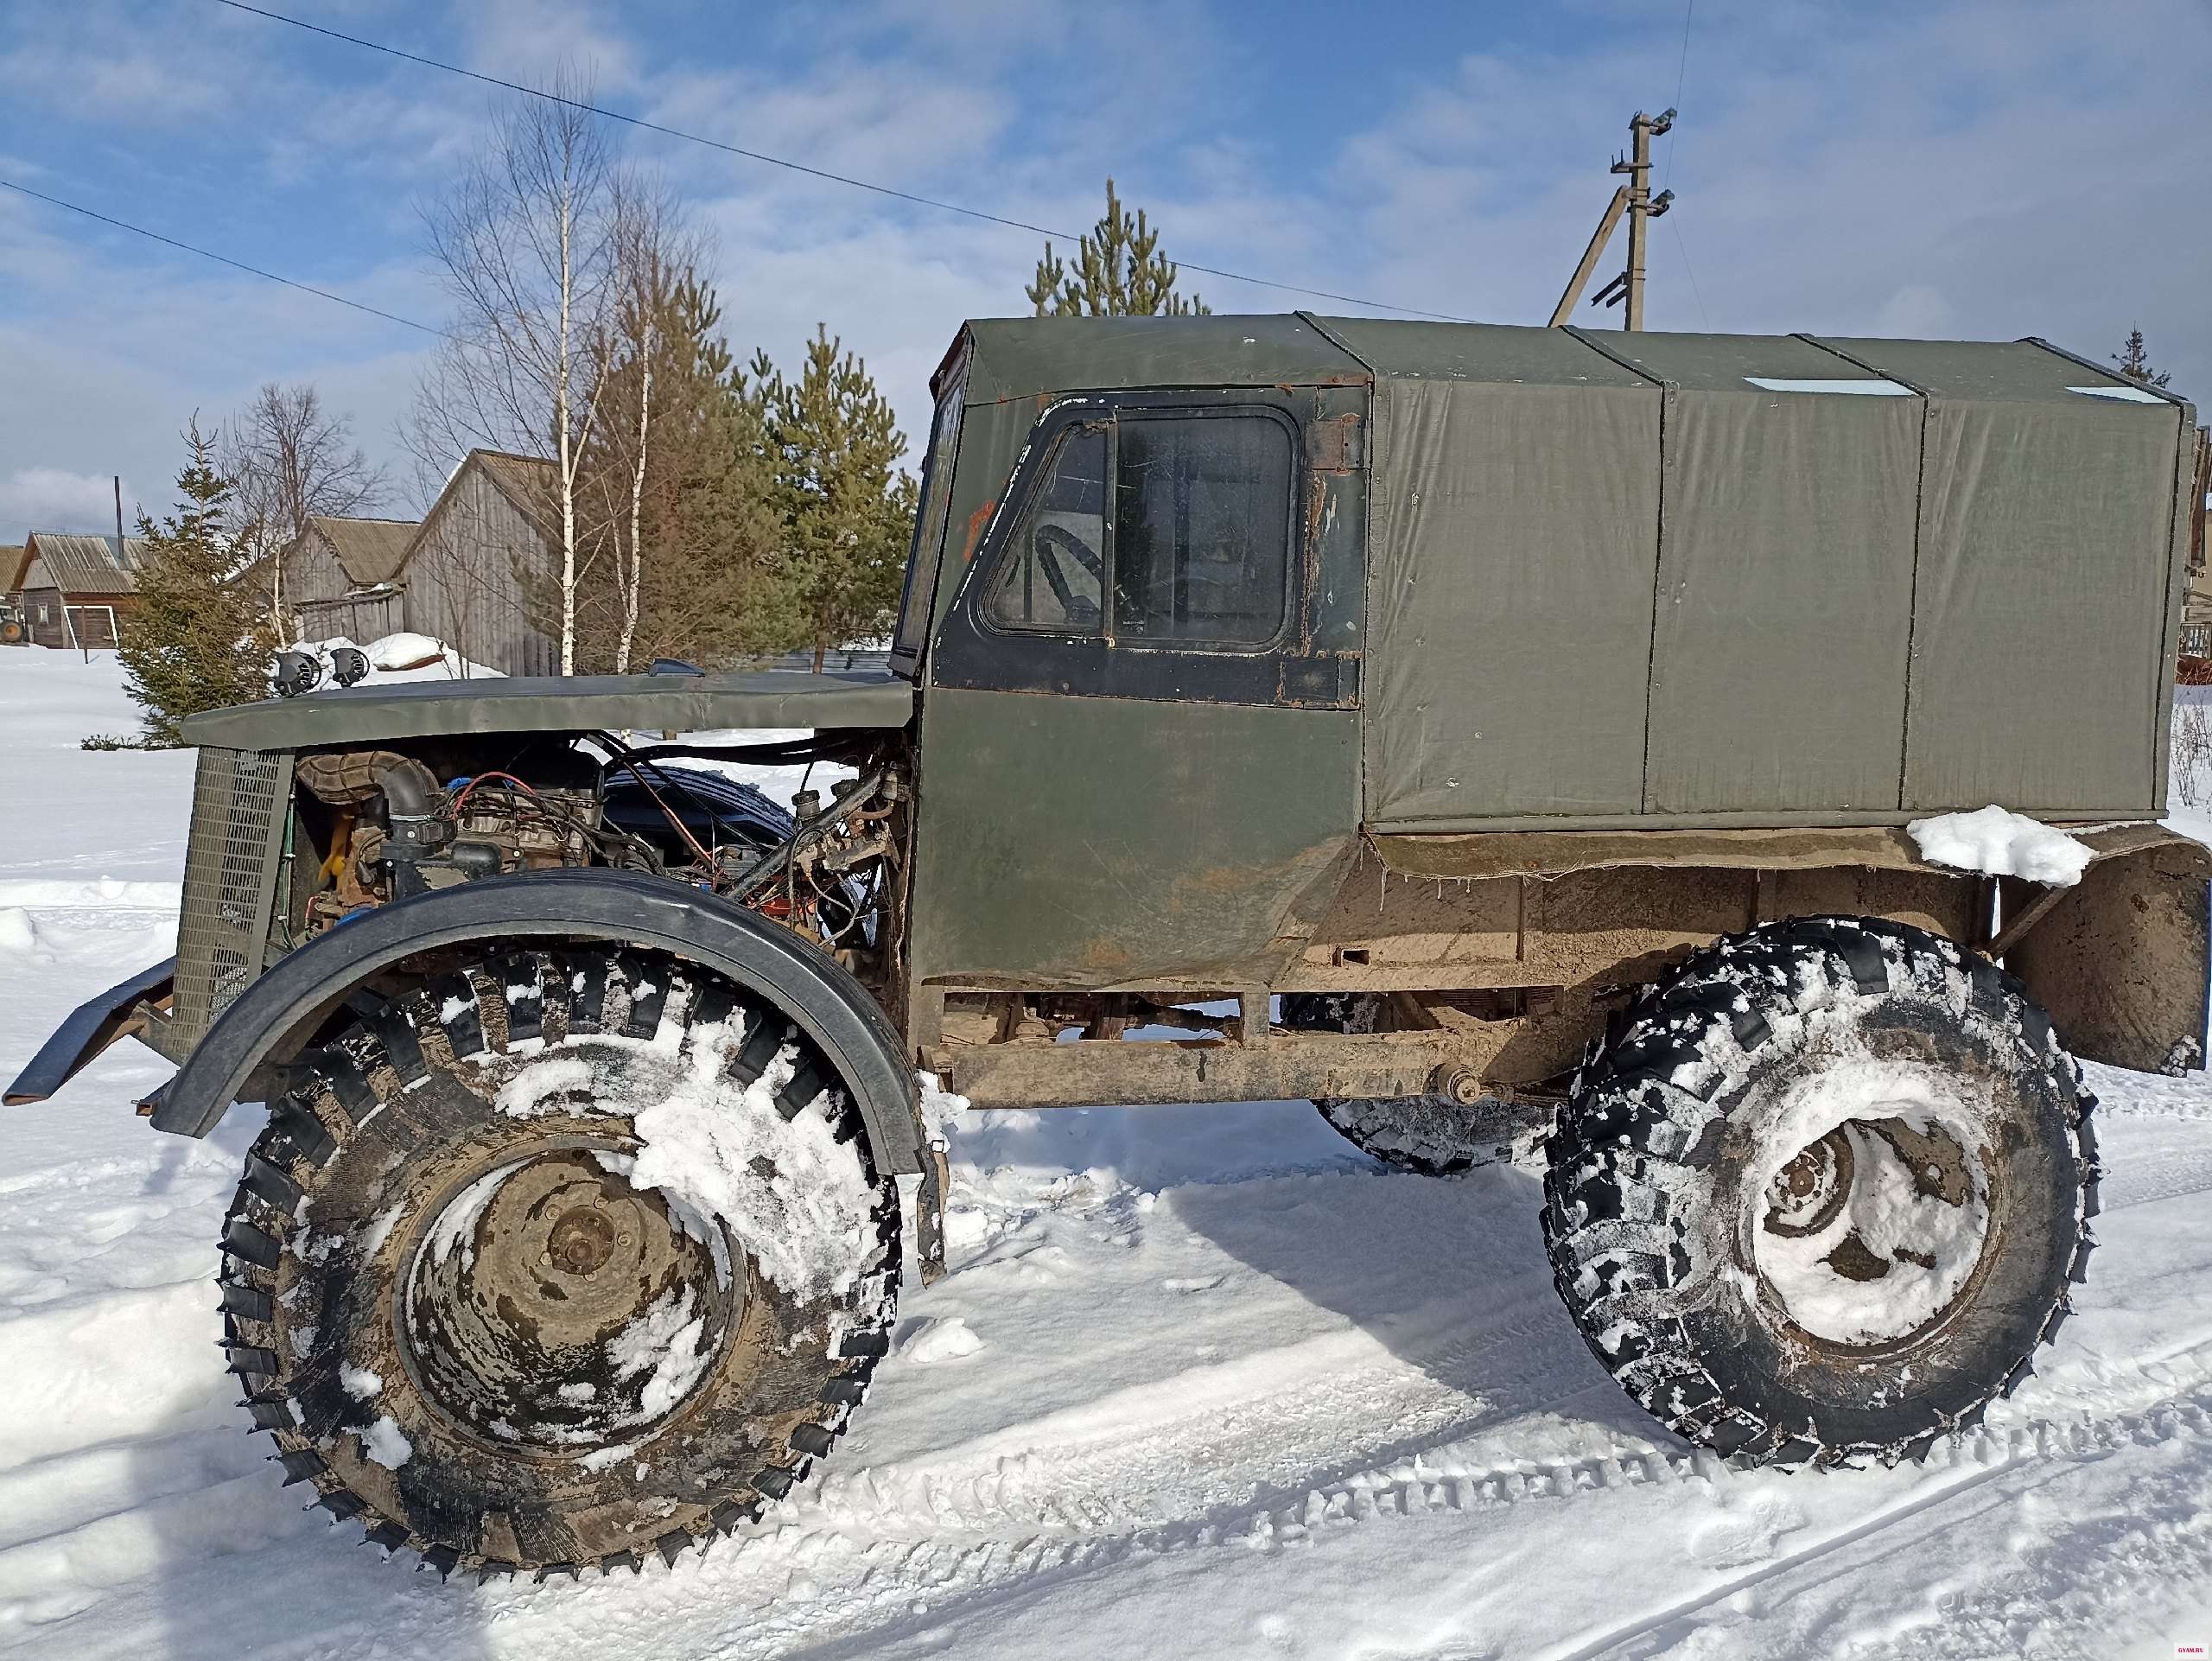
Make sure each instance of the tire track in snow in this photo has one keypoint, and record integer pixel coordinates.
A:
(942, 1572)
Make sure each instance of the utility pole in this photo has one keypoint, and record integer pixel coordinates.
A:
(1636, 200)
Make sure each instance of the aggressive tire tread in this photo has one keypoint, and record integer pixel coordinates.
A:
(1621, 1152)
(582, 993)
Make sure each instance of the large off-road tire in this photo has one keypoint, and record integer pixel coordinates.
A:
(563, 1259)
(1819, 1195)
(1432, 1136)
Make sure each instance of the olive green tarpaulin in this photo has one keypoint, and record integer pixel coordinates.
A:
(2042, 636)
(1784, 599)
(1654, 579)
(1511, 546)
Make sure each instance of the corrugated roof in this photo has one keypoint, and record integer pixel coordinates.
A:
(369, 552)
(14, 562)
(79, 564)
(530, 482)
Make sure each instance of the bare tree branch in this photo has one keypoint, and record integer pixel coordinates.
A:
(526, 246)
(289, 459)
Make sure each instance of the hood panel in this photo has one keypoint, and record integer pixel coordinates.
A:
(557, 703)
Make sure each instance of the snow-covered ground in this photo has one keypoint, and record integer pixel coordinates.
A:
(1202, 1381)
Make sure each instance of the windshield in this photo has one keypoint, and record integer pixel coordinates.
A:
(915, 603)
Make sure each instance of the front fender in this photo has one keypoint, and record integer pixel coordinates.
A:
(810, 987)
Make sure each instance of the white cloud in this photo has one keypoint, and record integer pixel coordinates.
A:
(54, 498)
(1977, 167)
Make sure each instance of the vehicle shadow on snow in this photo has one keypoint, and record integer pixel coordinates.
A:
(1447, 1273)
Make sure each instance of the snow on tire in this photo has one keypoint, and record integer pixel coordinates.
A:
(1818, 1196)
(559, 1261)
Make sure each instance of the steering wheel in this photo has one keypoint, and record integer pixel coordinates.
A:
(1051, 541)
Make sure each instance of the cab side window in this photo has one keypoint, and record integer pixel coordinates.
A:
(1202, 510)
(1191, 546)
(1054, 574)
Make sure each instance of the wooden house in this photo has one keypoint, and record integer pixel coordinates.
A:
(484, 561)
(345, 576)
(78, 589)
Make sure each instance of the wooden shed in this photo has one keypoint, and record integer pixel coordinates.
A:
(490, 542)
(78, 589)
(346, 576)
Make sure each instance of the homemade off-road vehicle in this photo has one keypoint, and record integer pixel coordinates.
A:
(1485, 732)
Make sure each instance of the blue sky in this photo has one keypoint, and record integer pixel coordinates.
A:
(1977, 167)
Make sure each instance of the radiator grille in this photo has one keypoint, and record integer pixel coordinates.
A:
(230, 879)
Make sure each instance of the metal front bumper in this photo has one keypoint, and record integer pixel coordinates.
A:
(133, 1008)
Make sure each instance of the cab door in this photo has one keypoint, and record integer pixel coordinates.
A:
(1140, 738)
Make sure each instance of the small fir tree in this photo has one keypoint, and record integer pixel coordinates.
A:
(200, 638)
(1118, 272)
(847, 509)
(2134, 362)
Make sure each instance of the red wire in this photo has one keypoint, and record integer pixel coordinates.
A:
(466, 788)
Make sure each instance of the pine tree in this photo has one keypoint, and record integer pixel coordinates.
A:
(709, 585)
(2135, 363)
(846, 510)
(1118, 272)
(199, 638)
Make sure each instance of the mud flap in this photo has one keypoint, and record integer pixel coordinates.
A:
(2122, 961)
(921, 1202)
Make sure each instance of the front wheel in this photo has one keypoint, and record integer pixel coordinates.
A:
(560, 1261)
(1819, 1196)
(1430, 1135)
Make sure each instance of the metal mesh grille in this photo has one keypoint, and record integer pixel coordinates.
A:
(230, 870)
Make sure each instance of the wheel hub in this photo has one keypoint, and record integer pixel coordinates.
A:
(1868, 1235)
(549, 1306)
(582, 1241)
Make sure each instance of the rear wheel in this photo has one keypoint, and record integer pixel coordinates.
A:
(558, 1262)
(1820, 1194)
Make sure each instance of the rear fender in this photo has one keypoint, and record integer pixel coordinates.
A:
(2120, 960)
(288, 1003)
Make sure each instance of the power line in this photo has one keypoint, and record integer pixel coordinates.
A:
(221, 259)
(1687, 272)
(801, 167)
(1681, 69)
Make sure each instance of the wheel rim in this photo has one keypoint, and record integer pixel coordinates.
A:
(550, 1308)
(1870, 1223)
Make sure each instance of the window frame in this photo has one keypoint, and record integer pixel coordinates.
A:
(910, 631)
(1056, 428)
(1009, 549)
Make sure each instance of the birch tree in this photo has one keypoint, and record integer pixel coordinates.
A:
(689, 561)
(289, 459)
(526, 244)
(655, 256)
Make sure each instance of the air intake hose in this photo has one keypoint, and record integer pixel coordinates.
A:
(409, 790)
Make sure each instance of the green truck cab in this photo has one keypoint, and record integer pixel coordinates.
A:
(1509, 739)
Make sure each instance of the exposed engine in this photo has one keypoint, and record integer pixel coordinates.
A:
(382, 825)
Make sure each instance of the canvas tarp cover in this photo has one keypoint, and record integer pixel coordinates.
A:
(1946, 591)
(1784, 599)
(2041, 630)
(1510, 549)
